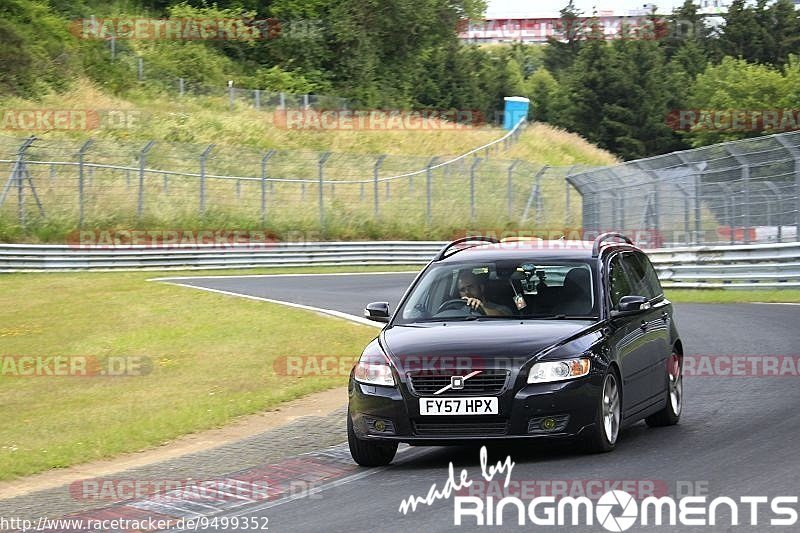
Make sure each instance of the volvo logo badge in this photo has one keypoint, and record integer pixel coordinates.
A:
(457, 382)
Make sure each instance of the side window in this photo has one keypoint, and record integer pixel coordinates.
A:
(651, 276)
(618, 280)
(637, 275)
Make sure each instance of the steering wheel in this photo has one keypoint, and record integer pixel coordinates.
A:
(457, 303)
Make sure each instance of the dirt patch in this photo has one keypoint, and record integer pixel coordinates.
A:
(317, 404)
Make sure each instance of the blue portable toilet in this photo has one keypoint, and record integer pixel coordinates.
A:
(516, 110)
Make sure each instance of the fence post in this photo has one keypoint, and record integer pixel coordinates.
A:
(305, 101)
(140, 68)
(264, 185)
(539, 199)
(534, 192)
(324, 157)
(795, 151)
(698, 178)
(17, 177)
(203, 158)
(180, 87)
(777, 193)
(232, 94)
(746, 179)
(375, 172)
(428, 177)
(283, 101)
(567, 215)
(165, 176)
(142, 162)
(569, 185)
(258, 99)
(472, 188)
(511, 187)
(81, 153)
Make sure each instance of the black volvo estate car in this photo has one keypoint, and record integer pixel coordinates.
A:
(516, 340)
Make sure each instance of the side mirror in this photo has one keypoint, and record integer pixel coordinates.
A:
(630, 305)
(377, 311)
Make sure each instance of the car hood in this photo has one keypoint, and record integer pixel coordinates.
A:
(475, 344)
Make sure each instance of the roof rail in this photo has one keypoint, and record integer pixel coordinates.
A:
(441, 255)
(605, 236)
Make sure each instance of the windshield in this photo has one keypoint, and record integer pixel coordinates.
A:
(501, 290)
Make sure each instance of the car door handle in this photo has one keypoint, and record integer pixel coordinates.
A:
(665, 316)
(643, 325)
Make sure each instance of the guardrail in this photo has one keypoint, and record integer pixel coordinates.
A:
(740, 267)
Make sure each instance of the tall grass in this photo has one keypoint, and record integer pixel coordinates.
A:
(183, 128)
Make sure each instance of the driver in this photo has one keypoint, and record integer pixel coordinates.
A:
(471, 289)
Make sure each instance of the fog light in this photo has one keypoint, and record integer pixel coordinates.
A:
(548, 424)
(377, 426)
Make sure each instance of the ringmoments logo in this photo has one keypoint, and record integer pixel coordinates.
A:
(615, 510)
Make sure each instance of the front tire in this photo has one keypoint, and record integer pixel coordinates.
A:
(671, 413)
(368, 453)
(608, 416)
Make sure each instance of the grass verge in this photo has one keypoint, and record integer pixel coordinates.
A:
(725, 296)
(212, 358)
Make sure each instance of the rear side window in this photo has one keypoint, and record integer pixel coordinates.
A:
(620, 286)
(642, 276)
(650, 275)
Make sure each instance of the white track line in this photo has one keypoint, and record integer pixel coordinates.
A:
(331, 312)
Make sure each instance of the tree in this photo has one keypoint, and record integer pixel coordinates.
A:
(736, 88)
(542, 91)
(743, 33)
(785, 30)
(561, 53)
(587, 87)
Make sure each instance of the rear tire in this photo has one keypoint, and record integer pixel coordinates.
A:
(368, 453)
(608, 416)
(671, 413)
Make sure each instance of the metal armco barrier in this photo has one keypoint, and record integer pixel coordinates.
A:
(745, 266)
(731, 267)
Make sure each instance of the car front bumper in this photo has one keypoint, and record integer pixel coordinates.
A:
(549, 410)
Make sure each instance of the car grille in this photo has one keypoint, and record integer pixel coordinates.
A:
(487, 382)
(460, 429)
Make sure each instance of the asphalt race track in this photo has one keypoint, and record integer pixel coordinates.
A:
(737, 437)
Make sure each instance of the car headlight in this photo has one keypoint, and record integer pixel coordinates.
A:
(374, 371)
(550, 371)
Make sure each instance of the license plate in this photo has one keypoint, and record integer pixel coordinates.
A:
(458, 406)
